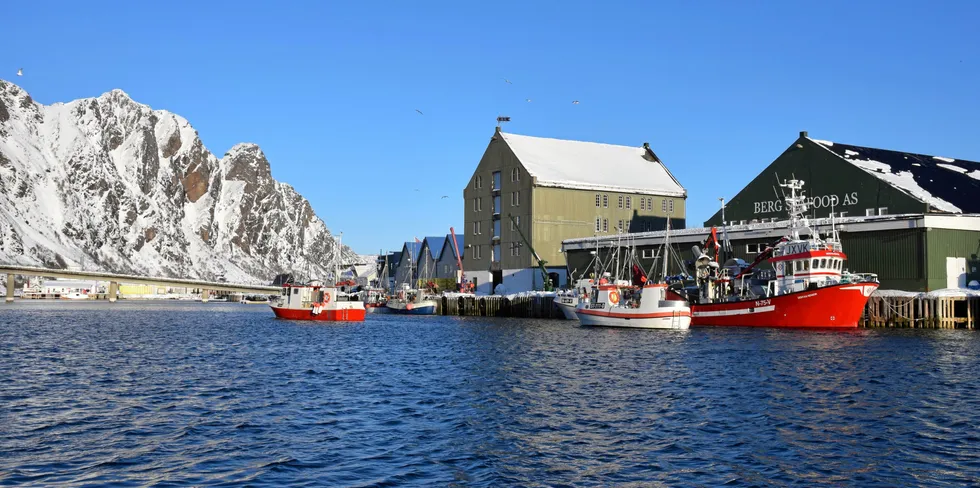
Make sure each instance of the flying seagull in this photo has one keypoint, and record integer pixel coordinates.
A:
(528, 100)
(419, 111)
(574, 102)
(445, 196)
(20, 72)
(507, 81)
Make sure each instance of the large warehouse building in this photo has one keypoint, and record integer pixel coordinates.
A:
(912, 219)
(552, 190)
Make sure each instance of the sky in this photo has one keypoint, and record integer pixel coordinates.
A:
(330, 90)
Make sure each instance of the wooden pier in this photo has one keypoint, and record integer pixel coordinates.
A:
(535, 307)
(922, 311)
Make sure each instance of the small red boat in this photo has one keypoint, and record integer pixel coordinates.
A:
(313, 301)
(809, 287)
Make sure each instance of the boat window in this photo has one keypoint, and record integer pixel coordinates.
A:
(295, 291)
(816, 263)
(788, 265)
(840, 263)
(823, 263)
(806, 265)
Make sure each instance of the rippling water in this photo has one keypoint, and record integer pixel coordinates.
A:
(204, 394)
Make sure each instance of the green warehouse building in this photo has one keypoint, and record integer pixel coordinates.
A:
(912, 219)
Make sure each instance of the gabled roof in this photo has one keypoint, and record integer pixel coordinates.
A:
(449, 245)
(413, 248)
(593, 166)
(946, 184)
(434, 245)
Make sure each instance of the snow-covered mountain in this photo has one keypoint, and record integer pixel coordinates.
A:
(107, 183)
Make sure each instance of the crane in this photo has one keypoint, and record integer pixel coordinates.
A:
(541, 264)
(459, 258)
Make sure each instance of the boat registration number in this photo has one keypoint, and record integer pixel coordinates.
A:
(597, 305)
(762, 303)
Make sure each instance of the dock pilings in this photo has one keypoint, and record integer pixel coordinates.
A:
(922, 311)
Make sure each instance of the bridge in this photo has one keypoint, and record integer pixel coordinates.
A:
(114, 280)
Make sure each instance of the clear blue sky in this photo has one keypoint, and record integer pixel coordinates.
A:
(329, 89)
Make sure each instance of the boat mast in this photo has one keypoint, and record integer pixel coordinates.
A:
(666, 248)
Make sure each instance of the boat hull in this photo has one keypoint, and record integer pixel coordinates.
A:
(425, 307)
(831, 307)
(375, 308)
(679, 319)
(326, 315)
(568, 309)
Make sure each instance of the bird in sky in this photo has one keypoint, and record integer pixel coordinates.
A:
(574, 102)
(419, 111)
(528, 100)
(20, 72)
(445, 196)
(416, 189)
(507, 81)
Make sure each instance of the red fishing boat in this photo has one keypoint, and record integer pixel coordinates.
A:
(808, 287)
(314, 301)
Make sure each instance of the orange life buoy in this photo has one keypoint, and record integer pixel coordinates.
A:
(613, 297)
(409, 306)
(326, 298)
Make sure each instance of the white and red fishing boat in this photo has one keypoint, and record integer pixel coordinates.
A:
(314, 301)
(374, 299)
(808, 288)
(622, 305)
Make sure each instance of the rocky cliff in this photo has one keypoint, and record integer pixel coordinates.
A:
(108, 183)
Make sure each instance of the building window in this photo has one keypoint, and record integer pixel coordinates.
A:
(647, 254)
(598, 224)
(752, 248)
(629, 203)
(663, 205)
(650, 203)
(627, 228)
(670, 206)
(496, 253)
(868, 212)
(496, 229)
(605, 225)
(496, 204)
(474, 227)
(597, 205)
(516, 223)
(479, 227)
(883, 211)
(620, 201)
(620, 227)
(515, 199)
(496, 180)
(478, 182)
(476, 252)
(643, 203)
(515, 175)
(515, 249)
(605, 201)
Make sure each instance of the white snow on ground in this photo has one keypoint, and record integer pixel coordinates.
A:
(591, 166)
(825, 143)
(525, 294)
(851, 153)
(948, 160)
(945, 292)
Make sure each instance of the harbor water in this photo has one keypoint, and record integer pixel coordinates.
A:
(178, 393)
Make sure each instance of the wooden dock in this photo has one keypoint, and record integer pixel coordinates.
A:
(534, 307)
(922, 311)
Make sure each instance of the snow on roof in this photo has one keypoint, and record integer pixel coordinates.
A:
(945, 186)
(592, 166)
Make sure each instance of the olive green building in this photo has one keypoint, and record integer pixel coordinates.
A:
(912, 219)
(552, 190)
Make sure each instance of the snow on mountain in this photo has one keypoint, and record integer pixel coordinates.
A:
(107, 183)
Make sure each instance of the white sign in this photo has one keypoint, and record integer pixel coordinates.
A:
(820, 201)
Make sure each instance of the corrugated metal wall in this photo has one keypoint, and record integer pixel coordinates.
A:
(896, 256)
